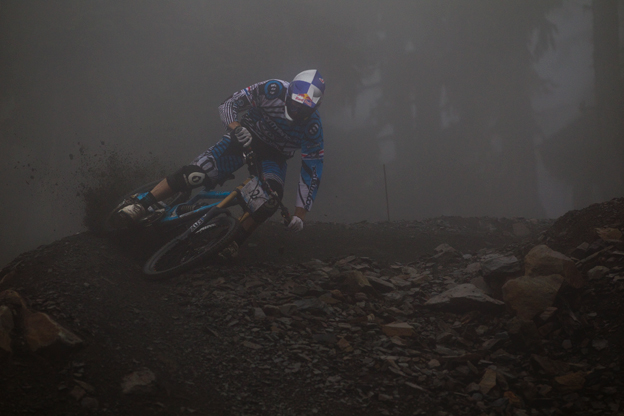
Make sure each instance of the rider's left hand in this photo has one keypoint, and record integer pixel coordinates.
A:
(243, 136)
(296, 224)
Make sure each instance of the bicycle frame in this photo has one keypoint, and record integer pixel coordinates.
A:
(250, 160)
(235, 194)
(171, 213)
(172, 216)
(211, 227)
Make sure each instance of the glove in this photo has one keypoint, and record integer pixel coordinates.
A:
(296, 224)
(243, 136)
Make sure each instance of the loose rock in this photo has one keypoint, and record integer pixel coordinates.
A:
(44, 335)
(465, 297)
(140, 382)
(529, 296)
(542, 261)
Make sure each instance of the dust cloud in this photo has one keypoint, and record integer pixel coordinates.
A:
(470, 106)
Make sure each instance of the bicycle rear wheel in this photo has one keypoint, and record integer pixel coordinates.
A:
(192, 247)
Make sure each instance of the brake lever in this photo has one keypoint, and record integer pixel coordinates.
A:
(285, 215)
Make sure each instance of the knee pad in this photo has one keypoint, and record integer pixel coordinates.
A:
(187, 178)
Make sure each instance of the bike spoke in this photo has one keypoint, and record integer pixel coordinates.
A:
(192, 247)
(180, 254)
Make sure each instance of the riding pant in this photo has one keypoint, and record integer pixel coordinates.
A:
(224, 158)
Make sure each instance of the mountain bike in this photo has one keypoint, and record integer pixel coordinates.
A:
(213, 225)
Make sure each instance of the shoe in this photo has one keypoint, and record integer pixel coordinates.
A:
(133, 212)
(230, 252)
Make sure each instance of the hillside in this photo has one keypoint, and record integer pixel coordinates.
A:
(337, 320)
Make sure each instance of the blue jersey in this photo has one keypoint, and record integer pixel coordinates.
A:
(265, 118)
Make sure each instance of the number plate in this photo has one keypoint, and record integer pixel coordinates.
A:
(253, 194)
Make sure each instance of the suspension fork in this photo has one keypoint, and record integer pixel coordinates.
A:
(249, 226)
(235, 193)
(250, 159)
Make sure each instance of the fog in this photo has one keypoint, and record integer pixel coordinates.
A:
(474, 108)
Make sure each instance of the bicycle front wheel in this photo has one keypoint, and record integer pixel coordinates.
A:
(192, 247)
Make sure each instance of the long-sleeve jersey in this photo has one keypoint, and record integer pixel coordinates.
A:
(265, 119)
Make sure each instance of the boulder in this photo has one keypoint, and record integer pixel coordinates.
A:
(44, 335)
(501, 266)
(398, 329)
(480, 283)
(465, 297)
(380, 285)
(445, 251)
(543, 261)
(488, 381)
(12, 299)
(598, 272)
(609, 234)
(354, 281)
(529, 296)
(139, 382)
(473, 268)
(497, 270)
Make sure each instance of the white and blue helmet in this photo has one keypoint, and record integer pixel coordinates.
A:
(304, 95)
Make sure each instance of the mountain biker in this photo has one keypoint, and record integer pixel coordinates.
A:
(280, 118)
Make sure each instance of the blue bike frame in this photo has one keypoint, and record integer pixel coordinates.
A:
(171, 212)
(172, 217)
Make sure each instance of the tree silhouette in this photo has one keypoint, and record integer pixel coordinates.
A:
(609, 92)
(588, 153)
(457, 79)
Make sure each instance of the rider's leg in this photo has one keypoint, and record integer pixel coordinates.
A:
(162, 190)
(212, 167)
(252, 222)
(221, 160)
(224, 158)
(185, 178)
(273, 167)
(138, 210)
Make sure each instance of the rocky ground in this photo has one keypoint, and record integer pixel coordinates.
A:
(449, 316)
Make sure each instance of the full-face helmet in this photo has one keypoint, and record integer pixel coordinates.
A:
(304, 95)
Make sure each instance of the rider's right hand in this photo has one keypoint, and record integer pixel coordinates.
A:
(296, 224)
(243, 136)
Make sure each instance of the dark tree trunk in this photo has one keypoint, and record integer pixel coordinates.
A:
(609, 93)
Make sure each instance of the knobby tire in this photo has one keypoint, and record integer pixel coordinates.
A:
(192, 248)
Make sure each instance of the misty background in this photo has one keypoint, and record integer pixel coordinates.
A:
(476, 108)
